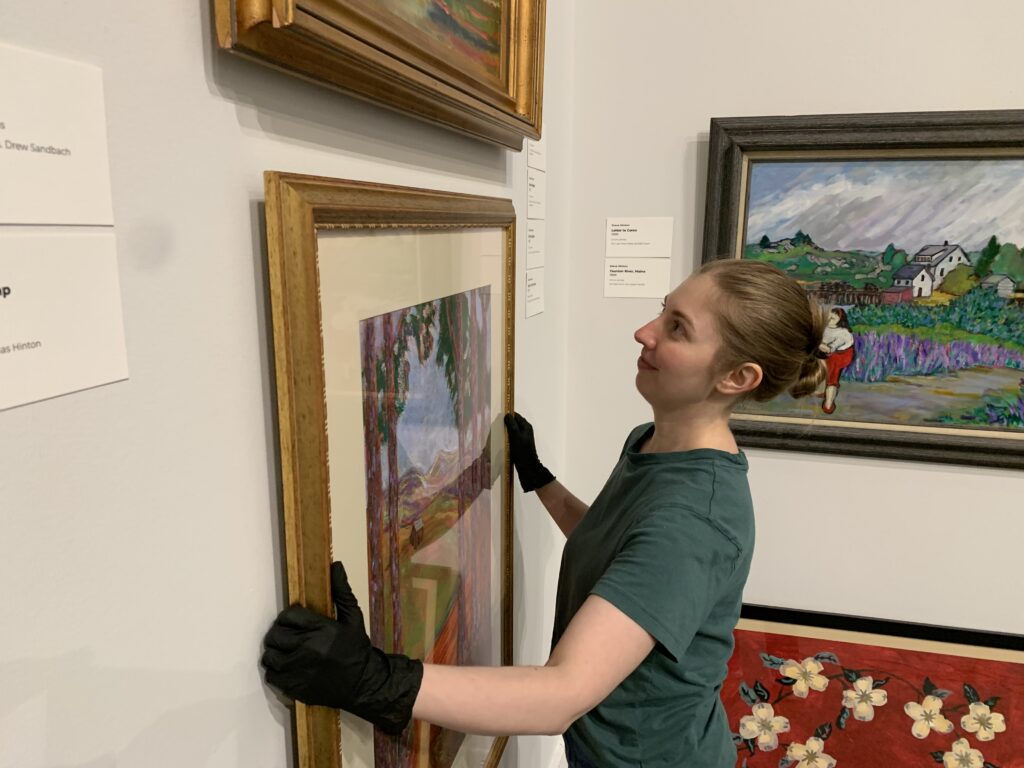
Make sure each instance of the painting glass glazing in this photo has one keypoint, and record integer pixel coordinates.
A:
(921, 262)
(415, 374)
(427, 417)
(856, 700)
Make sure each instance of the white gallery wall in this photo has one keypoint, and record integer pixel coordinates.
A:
(897, 539)
(140, 546)
(140, 551)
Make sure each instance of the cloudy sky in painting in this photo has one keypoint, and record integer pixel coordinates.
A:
(867, 204)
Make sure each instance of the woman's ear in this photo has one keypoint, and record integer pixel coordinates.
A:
(740, 380)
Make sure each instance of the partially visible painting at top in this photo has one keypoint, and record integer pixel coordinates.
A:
(468, 29)
(426, 417)
(922, 267)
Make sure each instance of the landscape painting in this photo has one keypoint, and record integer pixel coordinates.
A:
(920, 263)
(794, 701)
(467, 30)
(426, 383)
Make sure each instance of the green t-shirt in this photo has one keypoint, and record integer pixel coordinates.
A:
(668, 542)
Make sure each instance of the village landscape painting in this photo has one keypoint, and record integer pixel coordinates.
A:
(426, 417)
(921, 264)
(794, 702)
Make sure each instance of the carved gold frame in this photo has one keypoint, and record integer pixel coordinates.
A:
(356, 47)
(298, 208)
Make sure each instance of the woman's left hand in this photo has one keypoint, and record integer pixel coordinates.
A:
(332, 663)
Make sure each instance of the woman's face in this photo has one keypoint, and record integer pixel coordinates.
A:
(676, 364)
(833, 319)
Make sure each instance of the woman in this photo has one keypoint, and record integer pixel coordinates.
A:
(652, 573)
(837, 346)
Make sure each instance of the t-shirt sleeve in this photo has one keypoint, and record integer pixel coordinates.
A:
(667, 576)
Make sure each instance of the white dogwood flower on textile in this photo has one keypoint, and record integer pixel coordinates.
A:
(863, 699)
(983, 721)
(807, 675)
(927, 717)
(764, 726)
(811, 754)
(963, 756)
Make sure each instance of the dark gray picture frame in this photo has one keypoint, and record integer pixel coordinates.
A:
(733, 140)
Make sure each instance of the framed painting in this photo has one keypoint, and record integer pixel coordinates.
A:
(809, 690)
(475, 66)
(393, 336)
(909, 228)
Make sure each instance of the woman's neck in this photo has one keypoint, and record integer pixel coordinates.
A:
(687, 433)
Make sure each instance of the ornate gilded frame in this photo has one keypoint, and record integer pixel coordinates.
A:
(357, 47)
(298, 208)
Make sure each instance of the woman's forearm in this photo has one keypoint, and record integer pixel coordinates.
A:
(497, 701)
(565, 509)
(599, 649)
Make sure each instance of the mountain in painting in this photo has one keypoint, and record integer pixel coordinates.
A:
(418, 490)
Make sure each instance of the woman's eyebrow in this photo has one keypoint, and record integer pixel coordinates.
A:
(684, 317)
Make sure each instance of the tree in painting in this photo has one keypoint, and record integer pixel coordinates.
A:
(426, 416)
(924, 261)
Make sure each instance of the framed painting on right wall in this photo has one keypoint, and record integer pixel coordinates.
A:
(910, 229)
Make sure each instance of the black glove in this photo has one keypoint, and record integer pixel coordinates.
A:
(523, 452)
(316, 660)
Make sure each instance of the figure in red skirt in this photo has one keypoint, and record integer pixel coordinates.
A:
(837, 344)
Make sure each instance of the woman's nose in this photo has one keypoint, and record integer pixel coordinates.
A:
(645, 335)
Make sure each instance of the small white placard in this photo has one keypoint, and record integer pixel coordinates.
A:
(536, 154)
(60, 315)
(53, 141)
(648, 237)
(535, 195)
(534, 291)
(535, 243)
(636, 278)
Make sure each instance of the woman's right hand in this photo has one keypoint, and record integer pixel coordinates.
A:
(331, 662)
(523, 452)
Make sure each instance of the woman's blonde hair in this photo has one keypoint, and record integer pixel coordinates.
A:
(766, 317)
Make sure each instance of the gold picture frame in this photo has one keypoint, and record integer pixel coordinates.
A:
(340, 252)
(476, 70)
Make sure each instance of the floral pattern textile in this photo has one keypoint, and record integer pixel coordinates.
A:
(797, 702)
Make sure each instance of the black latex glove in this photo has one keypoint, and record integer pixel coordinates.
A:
(523, 452)
(331, 663)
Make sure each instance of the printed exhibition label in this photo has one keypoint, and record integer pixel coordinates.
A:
(60, 314)
(645, 237)
(53, 141)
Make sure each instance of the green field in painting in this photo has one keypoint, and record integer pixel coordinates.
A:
(809, 263)
(419, 631)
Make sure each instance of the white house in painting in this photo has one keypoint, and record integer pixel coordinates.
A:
(917, 277)
(1001, 284)
(941, 260)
